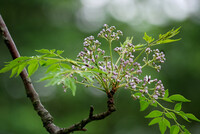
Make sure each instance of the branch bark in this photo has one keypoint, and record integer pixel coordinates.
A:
(31, 93)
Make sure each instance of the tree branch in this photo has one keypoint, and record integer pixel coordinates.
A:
(45, 116)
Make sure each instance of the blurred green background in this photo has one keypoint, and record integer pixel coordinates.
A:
(63, 24)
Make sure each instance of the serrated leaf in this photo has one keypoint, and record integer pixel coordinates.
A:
(178, 97)
(167, 99)
(166, 93)
(59, 52)
(148, 38)
(53, 68)
(66, 66)
(32, 67)
(143, 105)
(193, 117)
(154, 114)
(72, 86)
(162, 127)
(178, 107)
(45, 51)
(183, 115)
(155, 120)
(170, 115)
(14, 71)
(167, 123)
(174, 129)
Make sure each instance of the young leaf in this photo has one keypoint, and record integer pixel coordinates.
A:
(154, 114)
(72, 86)
(167, 123)
(167, 99)
(155, 120)
(21, 67)
(14, 71)
(148, 38)
(178, 97)
(32, 67)
(174, 129)
(191, 116)
(143, 105)
(162, 126)
(53, 68)
(183, 115)
(166, 93)
(170, 115)
(66, 66)
(59, 52)
(178, 107)
(45, 51)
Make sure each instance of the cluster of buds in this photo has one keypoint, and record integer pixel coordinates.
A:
(109, 33)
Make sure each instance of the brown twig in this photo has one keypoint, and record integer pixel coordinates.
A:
(45, 116)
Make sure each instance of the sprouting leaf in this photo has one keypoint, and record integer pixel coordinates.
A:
(45, 51)
(143, 105)
(155, 120)
(53, 68)
(167, 99)
(191, 116)
(154, 114)
(174, 129)
(148, 38)
(170, 115)
(178, 97)
(72, 86)
(32, 67)
(166, 93)
(52, 50)
(59, 52)
(162, 126)
(167, 123)
(14, 71)
(178, 107)
(183, 115)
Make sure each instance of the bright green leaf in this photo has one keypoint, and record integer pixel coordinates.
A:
(162, 126)
(178, 97)
(45, 51)
(53, 68)
(170, 115)
(59, 52)
(72, 86)
(66, 66)
(167, 123)
(166, 93)
(183, 115)
(154, 114)
(148, 38)
(21, 67)
(167, 99)
(143, 105)
(174, 129)
(32, 67)
(191, 116)
(14, 71)
(178, 107)
(155, 120)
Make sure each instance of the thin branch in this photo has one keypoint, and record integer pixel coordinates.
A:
(45, 116)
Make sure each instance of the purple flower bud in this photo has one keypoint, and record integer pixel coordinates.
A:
(155, 96)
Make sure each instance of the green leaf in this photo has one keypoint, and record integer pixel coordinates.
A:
(21, 67)
(162, 126)
(170, 115)
(153, 103)
(183, 115)
(185, 130)
(53, 68)
(32, 67)
(59, 52)
(97, 70)
(174, 129)
(166, 93)
(191, 116)
(167, 99)
(148, 38)
(178, 97)
(72, 86)
(167, 123)
(167, 41)
(143, 105)
(47, 77)
(178, 107)
(155, 120)
(154, 114)
(45, 51)
(14, 71)
(66, 66)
